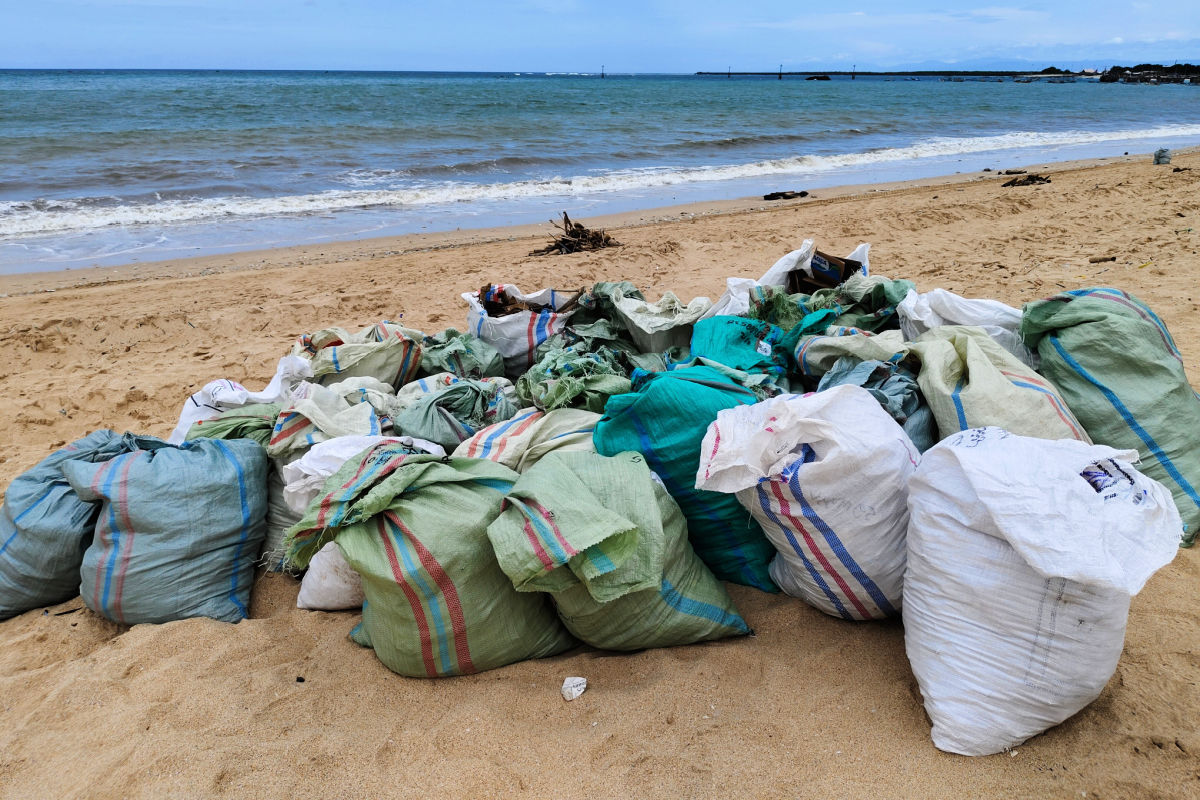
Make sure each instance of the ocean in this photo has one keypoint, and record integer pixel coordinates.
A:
(108, 167)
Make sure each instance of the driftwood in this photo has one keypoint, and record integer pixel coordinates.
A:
(575, 238)
(1027, 180)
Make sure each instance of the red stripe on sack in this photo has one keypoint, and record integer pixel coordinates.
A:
(546, 515)
(328, 500)
(286, 432)
(540, 551)
(458, 623)
(530, 335)
(716, 444)
(786, 510)
(101, 529)
(502, 442)
(127, 544)
(414, 602)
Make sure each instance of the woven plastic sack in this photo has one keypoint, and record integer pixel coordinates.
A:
(736, 299)
(45, 527)
(305, 477)
(743, 344)
(462, 354)
(415, 530)
(330, 584)
(655, 327)
(816, 355)
(826, 476)
(1120, 372)
(969, 381)
(573, 379)
(520, 442)
(1022, 556)
(179, 530)
(665, 419)
(320, 413)
(223, 395)
(257, 423)
(896, 390)
(517, 335)
(921, 312)
(610, 546)
(387, 352)
(453, 414)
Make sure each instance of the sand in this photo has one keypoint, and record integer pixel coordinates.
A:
(810, 706)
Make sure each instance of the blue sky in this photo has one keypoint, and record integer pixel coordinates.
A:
(575, 35)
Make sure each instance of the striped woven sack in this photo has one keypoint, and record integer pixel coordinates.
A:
(608, 543)
(45, 527)
(665, 419)
(826, 476)
(816, 355)
(970, 381)
(518, 335)
(415, 529)
(384, 351)
(518, 443)
(179, 530)
(1122, 375)
(320, 413)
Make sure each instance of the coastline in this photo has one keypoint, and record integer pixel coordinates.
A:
(809, 705)
(356, 249)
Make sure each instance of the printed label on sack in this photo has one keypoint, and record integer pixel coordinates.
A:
(1109, 479)
(764, 349)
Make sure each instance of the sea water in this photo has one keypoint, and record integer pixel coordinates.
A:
(109, 167)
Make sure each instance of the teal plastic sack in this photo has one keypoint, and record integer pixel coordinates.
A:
(743, 344)
(1118, 368)
(179, 529)
(45, 527)
(665, 419)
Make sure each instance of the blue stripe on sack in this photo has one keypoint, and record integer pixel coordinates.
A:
(424, 386)
(501, 486)
(600, 560)
(545, 534)
(764, 501)
(572, 433)
(696, 498)
(333, 354)
(245, 533)
(840, 550)
(335, 519)
(21, 516)
(1133, 424)
(113, 526)
(431, 595)
(540, 334)
(500, 430)
(408, 356)
(956, 396)
(698, 608)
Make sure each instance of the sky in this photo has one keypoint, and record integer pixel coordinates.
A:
(577, 35)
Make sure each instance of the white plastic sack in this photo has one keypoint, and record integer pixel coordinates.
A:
(304, 477)
(826, 476)
(330, 584)
(1022, 556)
(517, 335)
(222, 395)
(919, 313)
(736, 299)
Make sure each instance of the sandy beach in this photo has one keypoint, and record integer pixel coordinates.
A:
(809, 706)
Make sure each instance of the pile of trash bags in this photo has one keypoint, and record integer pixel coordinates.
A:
(590, 467)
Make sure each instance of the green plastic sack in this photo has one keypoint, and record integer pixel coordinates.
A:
(179, 530)
(816, 355)
(384, 351)
(570, 379)
(665, 419)
(464, 355)
(415, 530)
(453, 414)
(255, 422)
(610, 546)
(1122, 375)
(45, 526)
(970, 381)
